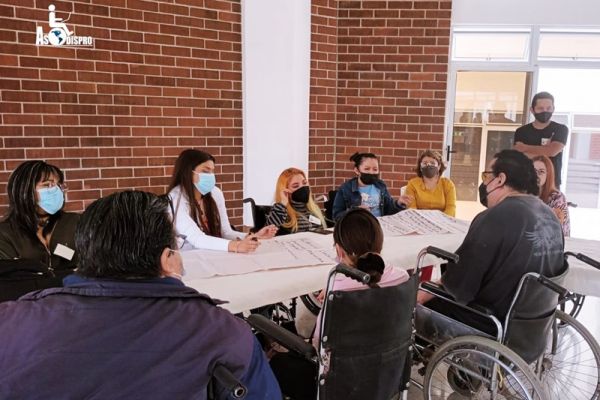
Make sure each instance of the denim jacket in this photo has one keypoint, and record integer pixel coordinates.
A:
(348, 197)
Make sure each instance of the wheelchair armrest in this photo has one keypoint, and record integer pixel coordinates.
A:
(436, 289)
(481, 309)
(439, 292)
(282, 336)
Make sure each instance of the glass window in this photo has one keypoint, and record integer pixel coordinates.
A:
(573, 46)
(490, 46)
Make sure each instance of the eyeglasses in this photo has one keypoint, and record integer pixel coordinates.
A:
(429, 164)
(51, 184)
(485, 174)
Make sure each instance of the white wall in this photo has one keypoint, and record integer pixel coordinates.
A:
(579, 13)
(276, 83)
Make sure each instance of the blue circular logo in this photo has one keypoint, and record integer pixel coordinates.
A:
(57, 37)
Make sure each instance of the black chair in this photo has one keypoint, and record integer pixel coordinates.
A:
(259, 214)
(20, 276)
(329, 207)
(366, 339)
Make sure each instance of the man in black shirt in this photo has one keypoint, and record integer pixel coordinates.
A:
(542, 136)
(517, 234)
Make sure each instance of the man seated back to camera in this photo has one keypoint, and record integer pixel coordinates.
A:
(517, 234)
(125, 326)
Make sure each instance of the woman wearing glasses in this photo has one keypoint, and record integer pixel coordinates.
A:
(366, 190)
(36, 228)
(549, 194)
(429, 190)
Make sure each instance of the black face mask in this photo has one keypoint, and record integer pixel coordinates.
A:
(301, 195)
(483, 193)
(368, 179)
(543, 117)
(429, 171)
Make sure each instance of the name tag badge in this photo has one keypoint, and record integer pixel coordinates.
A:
(314, 220)
(64, 252)
(545, 141)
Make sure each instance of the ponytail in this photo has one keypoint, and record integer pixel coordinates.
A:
(372, 264)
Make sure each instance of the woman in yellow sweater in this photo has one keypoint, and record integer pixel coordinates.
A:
(429, 190)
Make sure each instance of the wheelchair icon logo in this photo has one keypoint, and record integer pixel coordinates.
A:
(59, 33)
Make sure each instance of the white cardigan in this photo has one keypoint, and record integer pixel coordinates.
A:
(185, 225)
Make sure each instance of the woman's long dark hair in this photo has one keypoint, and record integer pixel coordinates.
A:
(187, 161)
(358, 232)
(22, 205)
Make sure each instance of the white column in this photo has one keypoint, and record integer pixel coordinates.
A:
(276, 83)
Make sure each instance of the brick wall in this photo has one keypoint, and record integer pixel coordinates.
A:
(166, 75)
(392, 61)
(323, 95)
(163, 76)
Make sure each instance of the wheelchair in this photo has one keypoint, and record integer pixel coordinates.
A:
(368, 357)
(538, 352)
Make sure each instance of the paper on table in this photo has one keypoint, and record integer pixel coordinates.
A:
(272, 254)
(421, 222)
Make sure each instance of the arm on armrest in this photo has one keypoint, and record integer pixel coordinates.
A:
(282, 336)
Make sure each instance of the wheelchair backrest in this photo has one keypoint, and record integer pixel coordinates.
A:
(259, 214)
(531, 315)
(367, 334)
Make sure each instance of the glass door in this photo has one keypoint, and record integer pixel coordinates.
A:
(488, 107)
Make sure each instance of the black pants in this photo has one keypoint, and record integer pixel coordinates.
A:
(296, 375)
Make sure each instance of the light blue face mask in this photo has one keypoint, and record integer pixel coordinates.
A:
(51, 199)
(206, 182)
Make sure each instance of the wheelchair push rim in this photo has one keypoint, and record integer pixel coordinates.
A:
(570, 367)
(479, 368)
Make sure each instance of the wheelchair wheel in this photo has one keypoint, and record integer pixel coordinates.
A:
(570, 368)
(573, 305)
(473, 367)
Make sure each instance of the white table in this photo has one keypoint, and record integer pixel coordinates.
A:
(583, 278)
(256, 289)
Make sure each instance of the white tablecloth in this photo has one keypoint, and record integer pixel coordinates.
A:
(583, 278)
(256, 289)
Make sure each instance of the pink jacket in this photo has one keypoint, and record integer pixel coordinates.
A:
(391, 277)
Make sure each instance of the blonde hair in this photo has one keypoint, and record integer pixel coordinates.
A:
(313, 208)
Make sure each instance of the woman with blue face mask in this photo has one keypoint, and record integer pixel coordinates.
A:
(35, 227)
(198, 207)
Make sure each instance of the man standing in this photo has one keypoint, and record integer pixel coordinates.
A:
(542, 136)
(125, 326)
(517, 234)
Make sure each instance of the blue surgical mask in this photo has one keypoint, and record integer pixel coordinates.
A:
(206, 182)
(51, 199)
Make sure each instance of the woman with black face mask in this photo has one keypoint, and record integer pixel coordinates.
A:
(429, 190)
(366, 190)
(295, 209)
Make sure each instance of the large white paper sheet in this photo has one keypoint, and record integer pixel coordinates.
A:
(284, 252)
(421, 222)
